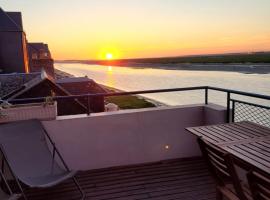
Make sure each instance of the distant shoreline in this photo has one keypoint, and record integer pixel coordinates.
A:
(248, 68)
(249, 62)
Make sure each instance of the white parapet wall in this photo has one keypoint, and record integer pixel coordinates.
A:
(131, 136)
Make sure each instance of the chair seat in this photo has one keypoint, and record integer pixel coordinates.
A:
(47, 181)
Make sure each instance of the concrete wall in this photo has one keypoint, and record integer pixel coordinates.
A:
(128, 137)
(214, 114)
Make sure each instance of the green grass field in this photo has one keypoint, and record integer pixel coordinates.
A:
(225, 58)
(130, 102)
(257, 57)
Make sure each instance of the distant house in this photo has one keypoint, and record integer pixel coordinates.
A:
(16, 55)
(31, 85)
(40, 58)
(13, 44)
(84, 85)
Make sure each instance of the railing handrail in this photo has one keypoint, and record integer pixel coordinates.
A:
(249, 94)
(206, 89)
(248, 103)
(113, 94)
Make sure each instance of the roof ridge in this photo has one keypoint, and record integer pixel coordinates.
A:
(19, 27)
(20, 74)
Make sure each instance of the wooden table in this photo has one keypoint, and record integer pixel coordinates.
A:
(245, 140)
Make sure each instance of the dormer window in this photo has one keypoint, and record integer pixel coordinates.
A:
(34, 56)
(44, 55)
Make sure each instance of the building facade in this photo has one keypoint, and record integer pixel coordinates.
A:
(40, 58)
(13, 43)
(16, 54)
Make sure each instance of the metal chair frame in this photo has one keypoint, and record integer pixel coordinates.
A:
(55, 151)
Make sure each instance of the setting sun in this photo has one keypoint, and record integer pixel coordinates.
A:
(109, 56)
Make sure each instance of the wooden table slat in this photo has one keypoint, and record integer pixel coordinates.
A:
(253, 129)
(262, 144)
(267, 142)
(245, 140)
(219, 135)
(199, 134)
(254, 158)
(257, 126)
(258, 154)
(255, 147)
(245, 130)
(257, 144)
(236, 134)
(248, 160)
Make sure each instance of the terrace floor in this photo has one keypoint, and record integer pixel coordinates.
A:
(180, 179)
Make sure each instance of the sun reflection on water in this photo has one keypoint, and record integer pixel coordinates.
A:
(110, 79)
(110, 68)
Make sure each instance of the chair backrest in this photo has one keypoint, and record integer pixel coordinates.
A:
(24, 144)
(216, 160)
(239, 170)
(221, 166)
(259, 184)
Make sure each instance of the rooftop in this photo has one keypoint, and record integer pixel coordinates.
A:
(74, 79)
(15, 81)
(37, 46)
(80, 85)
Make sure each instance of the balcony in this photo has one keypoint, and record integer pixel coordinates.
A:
(145, 153)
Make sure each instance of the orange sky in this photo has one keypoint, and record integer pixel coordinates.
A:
(84, 29)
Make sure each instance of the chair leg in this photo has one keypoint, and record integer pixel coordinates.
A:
(219, 195)
(21, 189)
(4, 182)
(10, 169)
(79, 188)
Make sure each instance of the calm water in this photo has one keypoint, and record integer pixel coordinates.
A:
(130, 79)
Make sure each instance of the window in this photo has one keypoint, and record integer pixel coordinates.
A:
(34, 56)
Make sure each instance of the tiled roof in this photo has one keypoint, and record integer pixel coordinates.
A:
(74, 80)
(12, 82)
(80, 85)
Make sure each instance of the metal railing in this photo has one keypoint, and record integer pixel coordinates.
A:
(231, 103)
(246, 111)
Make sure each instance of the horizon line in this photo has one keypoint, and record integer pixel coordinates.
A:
(180, 56)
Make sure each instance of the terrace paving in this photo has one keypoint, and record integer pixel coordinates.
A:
(185, 179)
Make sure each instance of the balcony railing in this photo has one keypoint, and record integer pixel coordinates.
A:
(246, 111)
(237, 110)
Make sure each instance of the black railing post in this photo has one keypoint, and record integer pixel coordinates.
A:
(233, 110)
(88, 105)
(206, 95)
(228, 106)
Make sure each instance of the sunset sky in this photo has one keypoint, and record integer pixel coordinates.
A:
(90, 29)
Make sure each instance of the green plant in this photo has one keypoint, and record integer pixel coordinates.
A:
(5, 104)
(48, 101)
